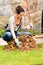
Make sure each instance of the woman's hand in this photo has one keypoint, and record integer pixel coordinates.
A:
(31, 26)
(17, 42)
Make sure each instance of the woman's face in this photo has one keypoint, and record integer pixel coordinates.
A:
(21, 14)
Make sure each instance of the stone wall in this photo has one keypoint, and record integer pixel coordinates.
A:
(7, 7)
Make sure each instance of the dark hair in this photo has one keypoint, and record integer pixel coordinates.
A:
(19, 9)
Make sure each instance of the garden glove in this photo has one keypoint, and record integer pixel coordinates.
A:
(17, 42)
(31, 24)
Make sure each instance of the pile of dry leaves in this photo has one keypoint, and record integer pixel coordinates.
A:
(27, 43)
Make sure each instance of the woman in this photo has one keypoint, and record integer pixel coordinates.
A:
(15, 23)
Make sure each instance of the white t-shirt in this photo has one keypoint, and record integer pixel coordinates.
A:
(13, 27)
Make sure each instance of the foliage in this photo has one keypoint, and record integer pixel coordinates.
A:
(35, 32)
(1, 32)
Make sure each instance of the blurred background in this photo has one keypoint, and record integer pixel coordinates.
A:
(7, 9)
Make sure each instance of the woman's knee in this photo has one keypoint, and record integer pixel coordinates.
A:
(7, 36)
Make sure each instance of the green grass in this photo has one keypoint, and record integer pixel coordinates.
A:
(34, 57)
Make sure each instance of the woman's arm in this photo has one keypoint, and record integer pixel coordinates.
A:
(11, 24)
(27, 26)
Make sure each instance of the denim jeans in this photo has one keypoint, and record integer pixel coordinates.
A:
(8, 36)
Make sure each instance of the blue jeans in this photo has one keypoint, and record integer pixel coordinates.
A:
(8, 36)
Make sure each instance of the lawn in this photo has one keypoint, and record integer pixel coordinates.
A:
(34, 57)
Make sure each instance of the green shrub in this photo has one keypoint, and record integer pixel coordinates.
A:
(2, 32)
(35, 32)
